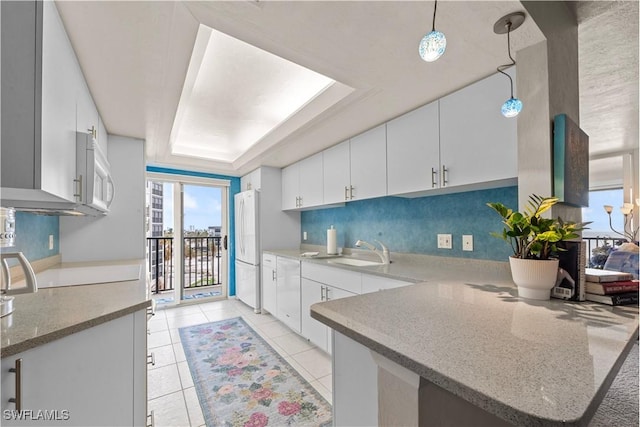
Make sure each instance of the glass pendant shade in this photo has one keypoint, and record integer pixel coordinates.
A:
(511, 107)
(432, 46)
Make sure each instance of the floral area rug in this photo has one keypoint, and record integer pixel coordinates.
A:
(242, 381)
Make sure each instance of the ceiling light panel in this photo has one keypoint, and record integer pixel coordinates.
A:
(238, 93)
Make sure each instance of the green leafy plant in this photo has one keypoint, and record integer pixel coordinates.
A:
(530, 235)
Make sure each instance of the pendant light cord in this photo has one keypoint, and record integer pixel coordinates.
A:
(513, 62)
(433, 25)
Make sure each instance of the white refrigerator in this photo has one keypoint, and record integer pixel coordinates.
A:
(247, 246)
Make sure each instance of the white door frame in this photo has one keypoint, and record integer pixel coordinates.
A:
(178, 182)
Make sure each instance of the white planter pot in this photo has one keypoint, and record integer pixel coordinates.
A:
(534, 278)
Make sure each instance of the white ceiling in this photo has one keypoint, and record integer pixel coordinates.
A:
(136, 56)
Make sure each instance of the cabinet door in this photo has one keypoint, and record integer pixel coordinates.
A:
(269, 283)
(288, 295)
(477, 143)
(250, 181)
(90, 373)
(336, 174)
(413, 152)
(290, 186)
(369, 164)
(314, 331)
(334, 293)
(59, 70)
(311, 181)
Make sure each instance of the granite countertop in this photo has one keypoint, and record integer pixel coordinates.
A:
(529, 362)
(53, 313)
(411, 267)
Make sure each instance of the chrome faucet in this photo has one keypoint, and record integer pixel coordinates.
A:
(384, 255)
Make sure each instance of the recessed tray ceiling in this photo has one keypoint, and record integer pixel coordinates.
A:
(235, 94)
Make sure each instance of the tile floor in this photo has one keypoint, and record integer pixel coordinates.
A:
(171, 392)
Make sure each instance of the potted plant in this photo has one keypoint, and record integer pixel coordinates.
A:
(534, 240)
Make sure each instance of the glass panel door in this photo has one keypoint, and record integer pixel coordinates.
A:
(204, 231)
(186, 240)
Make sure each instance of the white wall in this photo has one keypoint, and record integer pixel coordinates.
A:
(121, 234)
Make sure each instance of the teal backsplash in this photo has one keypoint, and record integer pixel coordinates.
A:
(32, 235)
(412, 225)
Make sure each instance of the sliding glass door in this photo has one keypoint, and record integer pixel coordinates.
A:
(187, 238)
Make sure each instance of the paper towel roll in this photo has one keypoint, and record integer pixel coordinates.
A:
(332, 238)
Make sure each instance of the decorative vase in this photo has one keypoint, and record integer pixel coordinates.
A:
(535, 278)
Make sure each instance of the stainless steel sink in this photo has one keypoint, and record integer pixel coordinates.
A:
(354, 262)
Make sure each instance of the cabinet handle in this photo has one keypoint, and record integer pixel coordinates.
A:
(326, 294)
(445, 181)
(434, 177)
(322, 293)
(273, 275)
(351, 192)
(151, 359)
(152, 419)
(346, 192)
(248, 186)
(18, 371)
(78, 192)
(93, 132)
(300, 202)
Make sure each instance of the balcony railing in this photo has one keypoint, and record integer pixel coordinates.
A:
(603, 246)
(201, 267)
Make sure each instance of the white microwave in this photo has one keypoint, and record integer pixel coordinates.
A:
(94, 185)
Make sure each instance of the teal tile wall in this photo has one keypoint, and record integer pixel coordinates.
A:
(32, 235)
(411, 225)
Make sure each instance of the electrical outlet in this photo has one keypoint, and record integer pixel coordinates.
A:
(467, 242)
(444, 241)
(304, 235)
(50, 242)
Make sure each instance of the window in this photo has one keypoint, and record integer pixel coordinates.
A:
(596, 213)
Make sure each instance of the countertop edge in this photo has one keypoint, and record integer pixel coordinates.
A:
(481, 400)
(13, 349)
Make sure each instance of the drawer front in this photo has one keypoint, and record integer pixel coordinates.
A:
(269, 260)
(372, 283)
(337, 277)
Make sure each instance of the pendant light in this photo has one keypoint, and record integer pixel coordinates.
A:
(507, 24)
(434, 43)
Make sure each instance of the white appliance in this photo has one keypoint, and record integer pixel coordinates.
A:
(247, 248)
(94, 182)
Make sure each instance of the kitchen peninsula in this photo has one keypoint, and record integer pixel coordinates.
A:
(465, 351)
(77, 351)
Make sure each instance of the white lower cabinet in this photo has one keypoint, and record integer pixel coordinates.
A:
(288, 294)
(313, 292)
(93, 377)
(269, 283)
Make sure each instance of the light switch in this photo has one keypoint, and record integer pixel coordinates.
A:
(304, 235)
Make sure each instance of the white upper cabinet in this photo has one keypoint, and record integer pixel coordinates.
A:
(336, 173)
(38, 105)
(251, 181)
(311, 184)
(291, 186)
(369, 164)
(302, 184)
(477, 143)
(45, 100)
(413, 153)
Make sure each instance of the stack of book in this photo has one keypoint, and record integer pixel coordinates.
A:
(611, 287)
